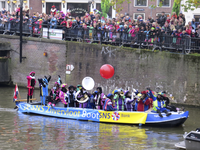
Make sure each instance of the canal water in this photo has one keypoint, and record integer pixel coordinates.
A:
(31, 132)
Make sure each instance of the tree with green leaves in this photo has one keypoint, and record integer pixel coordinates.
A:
(117, 4)
(176, 7)
(105, 6)
(190, 5)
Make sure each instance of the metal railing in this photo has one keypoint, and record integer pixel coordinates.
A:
(184, 44)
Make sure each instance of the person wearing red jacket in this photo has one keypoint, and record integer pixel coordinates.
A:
(148, 102)
(174, 15)
(188, 31)
(64, 23)
(140, 102)
(30, 85)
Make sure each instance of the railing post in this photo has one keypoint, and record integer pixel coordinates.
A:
(183, 46)
(48, 31)
(120, 39)
(32, 29)
(139, 39)
(84, 34)
(101, 37)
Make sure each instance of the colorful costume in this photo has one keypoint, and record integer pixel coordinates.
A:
(43, 85)
(108, 103)
(70, 98)
(53, 23)
(99, 98)
(148, 103)
(158, 104)
(82, 96)
(53, 10)
(129, 101)
(91, 102)
(63, 94)
(129, 104)
(54, 95)
(119, 100)
(30, 85)
(140, 104)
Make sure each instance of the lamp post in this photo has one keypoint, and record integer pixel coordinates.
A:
(14, 1)
(91, 2)
(21, 20)
(8, 4)
(25, 1)
(43, 1)
(63, 2)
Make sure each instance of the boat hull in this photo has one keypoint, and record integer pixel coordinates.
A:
(85, 114)
(150, 119)
(176, 119)
(191, 141)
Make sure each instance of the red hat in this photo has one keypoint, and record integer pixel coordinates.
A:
(53, 6)
(31, 72)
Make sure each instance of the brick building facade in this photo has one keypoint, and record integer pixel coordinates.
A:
(135, 8)
(143, 7)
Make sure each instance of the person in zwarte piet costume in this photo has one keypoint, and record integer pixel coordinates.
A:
(119, 99)
(53, 10)
(54, 95)
(63, 94)
(43, 85)
(158, 103)
(108, 106)
(71, 96)
(129, 100)
(99, 98)
(82, 95)
(30, 85)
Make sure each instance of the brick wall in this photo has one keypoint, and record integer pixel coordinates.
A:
(53, 64)
(36, 6)
(147, 11)
(175, 73)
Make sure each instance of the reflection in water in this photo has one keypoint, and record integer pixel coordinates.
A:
(32, 132)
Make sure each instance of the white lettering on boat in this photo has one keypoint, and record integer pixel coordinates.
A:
(90, 114)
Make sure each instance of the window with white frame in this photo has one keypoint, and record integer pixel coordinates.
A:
(135, 15)
(163, 3)
(3, 4)
(166, 14)
(140, 2)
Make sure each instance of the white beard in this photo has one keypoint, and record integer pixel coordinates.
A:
(32, 77)
(53, 10)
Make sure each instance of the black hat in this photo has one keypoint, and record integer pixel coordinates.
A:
(71, 86)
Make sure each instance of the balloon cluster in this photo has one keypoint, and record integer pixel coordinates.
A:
(106, 71)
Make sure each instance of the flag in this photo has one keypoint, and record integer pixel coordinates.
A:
(15, 93)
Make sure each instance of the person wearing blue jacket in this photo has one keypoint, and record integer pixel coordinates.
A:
(108, 103)
(43, 85)
(53, 23)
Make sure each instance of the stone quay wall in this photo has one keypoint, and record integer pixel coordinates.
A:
(177, 74)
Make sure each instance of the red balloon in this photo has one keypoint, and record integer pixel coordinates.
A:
(107, 71)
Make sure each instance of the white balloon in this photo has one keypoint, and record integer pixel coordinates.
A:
(88, 83)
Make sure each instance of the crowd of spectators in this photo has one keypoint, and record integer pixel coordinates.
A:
(122, 26)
